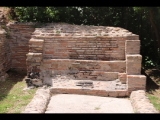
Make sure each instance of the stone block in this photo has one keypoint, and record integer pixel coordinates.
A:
(132, 37)
(112, 94)
(36, 40)
(110, 75)
(122, 77)
(133, 64)
(102, 93)
(121, 93)
(132, 47)
(136, 82)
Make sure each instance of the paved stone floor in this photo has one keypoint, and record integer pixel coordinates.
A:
(71, 103)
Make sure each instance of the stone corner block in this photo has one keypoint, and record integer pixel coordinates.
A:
(133, 64)
(132, 47)
(136, 82)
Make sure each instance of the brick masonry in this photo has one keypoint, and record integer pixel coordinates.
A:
(5, 55)
(19, 36)
(86, 52)
(85, 48)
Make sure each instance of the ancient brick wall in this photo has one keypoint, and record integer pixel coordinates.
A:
(86, 48)
(19, 36)
(4, 55)
(63, 41)
(86, 52)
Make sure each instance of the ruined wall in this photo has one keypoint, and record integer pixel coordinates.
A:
(86, 52)
(19, 36)
(65, 41)
(5, 60)
(86, 48)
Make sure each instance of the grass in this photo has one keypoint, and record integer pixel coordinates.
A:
(13, 99)
(153, 91)
(154, 99)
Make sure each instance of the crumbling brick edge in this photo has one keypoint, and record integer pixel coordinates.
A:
(141, 103)
(39, 102)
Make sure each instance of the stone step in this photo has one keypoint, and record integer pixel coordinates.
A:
(88, 75)
(34, 57)
(36, 45)
(97, 75)
(102, 93)
(98, 88)
(83, 65)
(81, 75)
(33, 40)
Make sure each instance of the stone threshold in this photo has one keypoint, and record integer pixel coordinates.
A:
(84, 91)
(112, 88)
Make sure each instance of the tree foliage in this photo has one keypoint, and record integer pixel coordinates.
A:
(143, 21)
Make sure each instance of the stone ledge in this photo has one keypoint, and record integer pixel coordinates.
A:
(39, 102)
(34, 54)
(36, 40)
(87, 91)
(141, 103)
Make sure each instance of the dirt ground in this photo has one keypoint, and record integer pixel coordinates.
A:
(153, 84)
(153, 81)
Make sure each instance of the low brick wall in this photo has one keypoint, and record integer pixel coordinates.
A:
(19, 36)
(5, 54)
(83, 69)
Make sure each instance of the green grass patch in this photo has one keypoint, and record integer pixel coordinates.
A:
(13, 99)
(155, 100)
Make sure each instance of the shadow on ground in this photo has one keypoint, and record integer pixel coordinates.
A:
(151, 85)
(6, 86)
